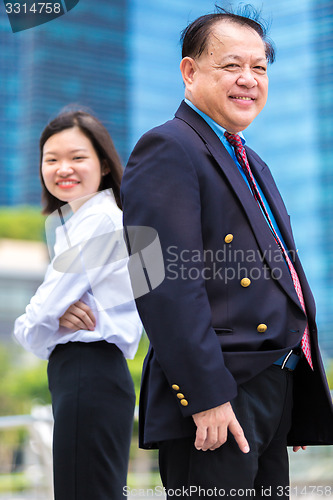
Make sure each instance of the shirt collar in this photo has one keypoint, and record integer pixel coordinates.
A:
(218, 129)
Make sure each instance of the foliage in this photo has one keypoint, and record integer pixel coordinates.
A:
(13, 482)
(135, 365)
(21, 386)
(30, 386)
(22, 223)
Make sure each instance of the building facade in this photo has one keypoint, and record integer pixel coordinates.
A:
(80, 59)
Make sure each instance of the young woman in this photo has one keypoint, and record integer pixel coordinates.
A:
(83, 317)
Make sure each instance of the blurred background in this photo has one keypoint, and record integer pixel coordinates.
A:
(120, 59)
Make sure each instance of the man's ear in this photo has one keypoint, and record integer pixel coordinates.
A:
(188, 68)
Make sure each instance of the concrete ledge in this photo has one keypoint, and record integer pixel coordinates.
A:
(23, 257)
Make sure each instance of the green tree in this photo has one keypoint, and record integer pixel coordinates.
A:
(21, 386)
(22, 222)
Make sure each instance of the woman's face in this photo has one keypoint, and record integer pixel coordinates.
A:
(70, 166)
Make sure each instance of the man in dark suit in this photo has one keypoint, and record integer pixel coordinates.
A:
(233, 365)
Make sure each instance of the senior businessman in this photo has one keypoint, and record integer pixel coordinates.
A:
(233, 373)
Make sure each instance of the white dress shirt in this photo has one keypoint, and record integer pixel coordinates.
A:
(89, 264)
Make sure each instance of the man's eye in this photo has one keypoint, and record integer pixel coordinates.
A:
(263, 69)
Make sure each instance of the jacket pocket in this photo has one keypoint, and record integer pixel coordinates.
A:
(224, 331)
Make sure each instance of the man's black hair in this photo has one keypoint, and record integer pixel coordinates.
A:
(195, 36)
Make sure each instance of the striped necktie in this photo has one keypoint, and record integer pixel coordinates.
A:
(236, 142)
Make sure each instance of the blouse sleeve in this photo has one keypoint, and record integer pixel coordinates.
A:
(93, 251)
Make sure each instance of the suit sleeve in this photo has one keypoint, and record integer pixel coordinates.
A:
(161, 190)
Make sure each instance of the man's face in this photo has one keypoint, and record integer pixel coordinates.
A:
(229, 80)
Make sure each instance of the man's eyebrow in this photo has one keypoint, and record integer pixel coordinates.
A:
(235, 57)
(231, 57)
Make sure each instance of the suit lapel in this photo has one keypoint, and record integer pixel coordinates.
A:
(264, 177)
(256, 219)
(272, 194)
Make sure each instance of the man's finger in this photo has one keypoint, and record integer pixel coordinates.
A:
(238, 434)
(222, 436)
(211, 439)
(296, 448)
(200, 437)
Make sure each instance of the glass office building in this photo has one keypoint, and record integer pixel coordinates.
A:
(81, 59)
(122, 60)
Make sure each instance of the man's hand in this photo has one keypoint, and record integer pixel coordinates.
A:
(78, 316)
(296, 448)
(212, 428)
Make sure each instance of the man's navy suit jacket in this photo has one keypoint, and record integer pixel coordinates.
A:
(201, 322)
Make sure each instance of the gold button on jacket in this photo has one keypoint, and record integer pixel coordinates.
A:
(184, 402)
(180, 395)
(175, 387)
(245, 282)
(262, 328)
(229, 238)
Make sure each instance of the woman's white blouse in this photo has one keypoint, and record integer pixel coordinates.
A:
(89, 264)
